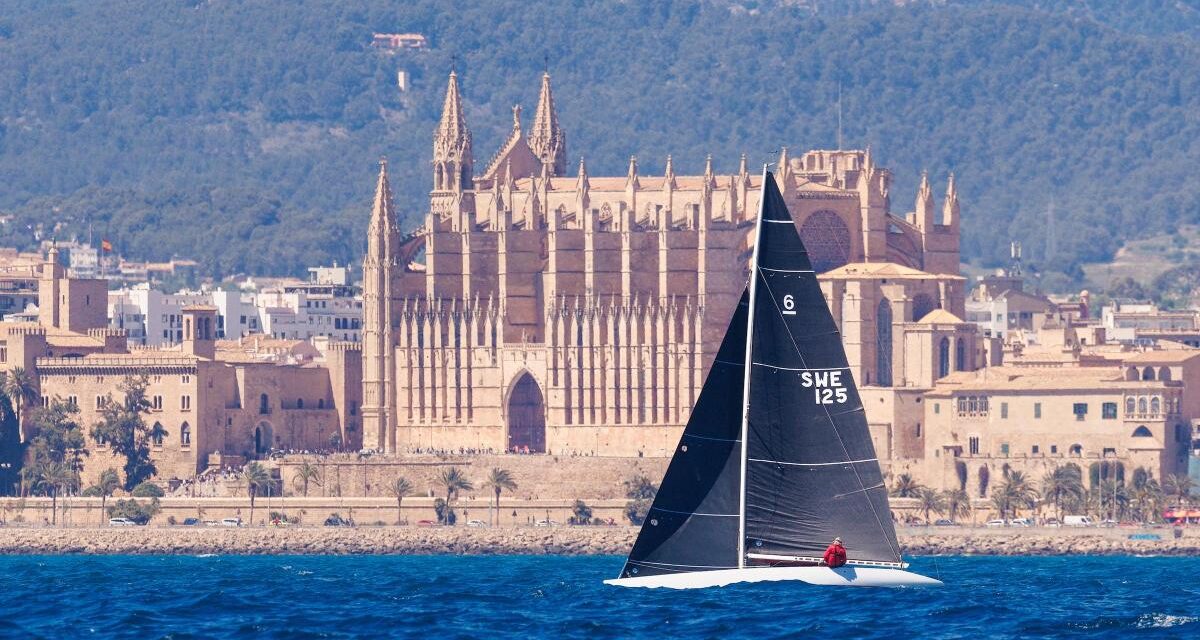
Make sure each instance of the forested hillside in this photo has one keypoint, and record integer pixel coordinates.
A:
(245, 134)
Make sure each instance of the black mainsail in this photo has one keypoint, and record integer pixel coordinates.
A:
(811, 469)
(775, 473)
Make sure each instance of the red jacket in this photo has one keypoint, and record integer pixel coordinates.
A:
(835, 555)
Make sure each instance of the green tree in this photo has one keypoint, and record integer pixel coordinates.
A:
(400, 488)
(1179, 486)
(21, 389)
(640, 491)
(1063, 484)
(257, 479)
(906, 487)
(123, 429)
(930, 501)
(958, 503)
(307, 472)
(52, 479)
(499, 480)
(455, 482)
(108, 482)
(1014, 493)
(580, 513)
(147, 489)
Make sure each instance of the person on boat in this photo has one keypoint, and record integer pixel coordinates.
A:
(835, 555)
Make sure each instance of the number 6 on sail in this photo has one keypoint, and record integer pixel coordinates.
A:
(761, 482)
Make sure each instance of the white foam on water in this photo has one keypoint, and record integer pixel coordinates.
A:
(1163, 621)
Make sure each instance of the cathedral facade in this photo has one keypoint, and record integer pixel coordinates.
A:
(555, 311)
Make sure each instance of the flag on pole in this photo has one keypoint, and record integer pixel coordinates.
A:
(106, 246)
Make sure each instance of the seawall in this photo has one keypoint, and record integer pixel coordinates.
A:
(538, 541)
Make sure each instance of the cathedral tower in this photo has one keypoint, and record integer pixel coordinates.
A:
(453, 162)
(383, 239)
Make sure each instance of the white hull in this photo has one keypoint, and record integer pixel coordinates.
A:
(824, 576)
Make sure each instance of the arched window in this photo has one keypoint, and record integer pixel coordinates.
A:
(1155, 405)
(1130, 406)
(1164, 373)
(1131, 373)
(320, 403)
(1148, 374)
(1076, 450)
(960, 355)
(157, 434)
(983, 481)
(944, 358)
(299, 403)
(185, 434)
(883, 343)
(1142, 404)
(1142, 432)
(264, 404)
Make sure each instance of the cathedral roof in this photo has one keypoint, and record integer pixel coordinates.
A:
(857, 270)
(940, 316)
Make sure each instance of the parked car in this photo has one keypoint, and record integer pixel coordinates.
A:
(1052, 522)
(336, 520)
(211, 523)
(191, 522)
(426, 523)
(995, 523)
(231, 522)
(1020, 522)
(1077, 521)
(1107, 524)
(945, 523)
(545, 523)
(121, 522)
(476, 523)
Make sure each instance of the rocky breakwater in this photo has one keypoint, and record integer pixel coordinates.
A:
(1047, 542)
(324, 540)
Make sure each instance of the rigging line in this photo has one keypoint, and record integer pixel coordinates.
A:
(842, 443)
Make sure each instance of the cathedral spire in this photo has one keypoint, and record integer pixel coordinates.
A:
(383, 219)
(924, 205)
(631, 178)
(582, 182)
(950, 208)
(669, 174)
(547, 140)
(452, 158)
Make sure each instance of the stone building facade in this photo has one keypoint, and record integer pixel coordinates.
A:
(211, 398)
(578, 313)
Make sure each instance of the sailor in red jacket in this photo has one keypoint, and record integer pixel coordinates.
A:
(835, 555)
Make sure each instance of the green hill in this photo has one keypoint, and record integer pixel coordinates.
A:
(245, 134)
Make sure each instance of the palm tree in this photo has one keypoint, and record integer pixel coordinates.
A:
(958, 503)
(1179, 486)
(1017, 492)
(930, 500)
(455, 482)
(906, 487)
(256, 477)
(53, 478)
(400, 488)
(106, 484)
(1062, 484)
(306, 473)
(499, 480)
(21, 389)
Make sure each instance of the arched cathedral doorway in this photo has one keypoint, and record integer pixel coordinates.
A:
(526, 416)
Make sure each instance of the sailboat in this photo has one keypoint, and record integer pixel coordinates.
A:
(762, 481)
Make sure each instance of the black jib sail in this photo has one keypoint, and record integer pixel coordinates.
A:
(811, 470)
(693, 522)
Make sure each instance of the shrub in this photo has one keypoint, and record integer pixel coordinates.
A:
(139, 512)
(147, 490)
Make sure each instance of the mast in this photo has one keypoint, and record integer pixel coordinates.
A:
(749, 365)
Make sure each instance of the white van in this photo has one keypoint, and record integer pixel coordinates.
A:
(1077, 521)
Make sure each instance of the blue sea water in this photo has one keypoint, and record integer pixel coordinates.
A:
(562, 597)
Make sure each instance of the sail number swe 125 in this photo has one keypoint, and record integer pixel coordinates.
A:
(827, 386)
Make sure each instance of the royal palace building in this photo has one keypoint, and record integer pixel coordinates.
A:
(557, 311)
